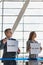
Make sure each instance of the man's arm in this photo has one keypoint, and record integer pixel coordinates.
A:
(1, 44)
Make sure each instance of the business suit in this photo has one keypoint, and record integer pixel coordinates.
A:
(32, 62)
(7, 54)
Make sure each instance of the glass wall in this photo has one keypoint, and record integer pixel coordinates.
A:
(32, 20)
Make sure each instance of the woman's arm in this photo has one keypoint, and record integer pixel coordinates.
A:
(28, 46)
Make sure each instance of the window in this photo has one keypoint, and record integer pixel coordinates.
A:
(32, 20)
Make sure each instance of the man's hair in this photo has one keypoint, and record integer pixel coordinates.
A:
(6, 30)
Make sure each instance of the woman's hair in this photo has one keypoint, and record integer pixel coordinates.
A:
(31, 35)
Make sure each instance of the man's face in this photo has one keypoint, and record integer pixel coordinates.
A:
(8, 33)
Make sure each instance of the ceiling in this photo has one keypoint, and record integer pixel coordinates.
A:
(23, 0)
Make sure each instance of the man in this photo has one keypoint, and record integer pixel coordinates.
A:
(3, 45)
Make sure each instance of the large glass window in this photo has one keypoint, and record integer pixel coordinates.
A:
(32, 20)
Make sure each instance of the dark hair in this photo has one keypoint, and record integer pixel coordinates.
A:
(7, 30)
(31, 34)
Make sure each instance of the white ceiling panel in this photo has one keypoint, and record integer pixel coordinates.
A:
(23, 0)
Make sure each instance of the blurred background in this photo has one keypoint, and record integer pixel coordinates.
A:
(32, 20)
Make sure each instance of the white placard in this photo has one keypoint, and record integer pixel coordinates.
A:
(12, 46)
(35, 48)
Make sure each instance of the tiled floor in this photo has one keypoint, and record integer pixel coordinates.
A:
(19, 64)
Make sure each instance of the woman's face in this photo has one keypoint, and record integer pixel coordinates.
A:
(34, 36)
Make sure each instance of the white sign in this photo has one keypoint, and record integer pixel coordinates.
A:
(35, 48)
(12, 46)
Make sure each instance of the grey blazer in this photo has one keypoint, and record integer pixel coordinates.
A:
(28, 45)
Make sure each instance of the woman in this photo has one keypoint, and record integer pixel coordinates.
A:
(31, 39)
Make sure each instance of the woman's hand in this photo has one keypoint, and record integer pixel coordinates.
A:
(28, 49)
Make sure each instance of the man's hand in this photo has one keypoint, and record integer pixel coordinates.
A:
(4, 41)
(40, 48)
(18, 51)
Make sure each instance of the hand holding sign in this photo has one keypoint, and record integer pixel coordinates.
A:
(35, 48)
(12, 46)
